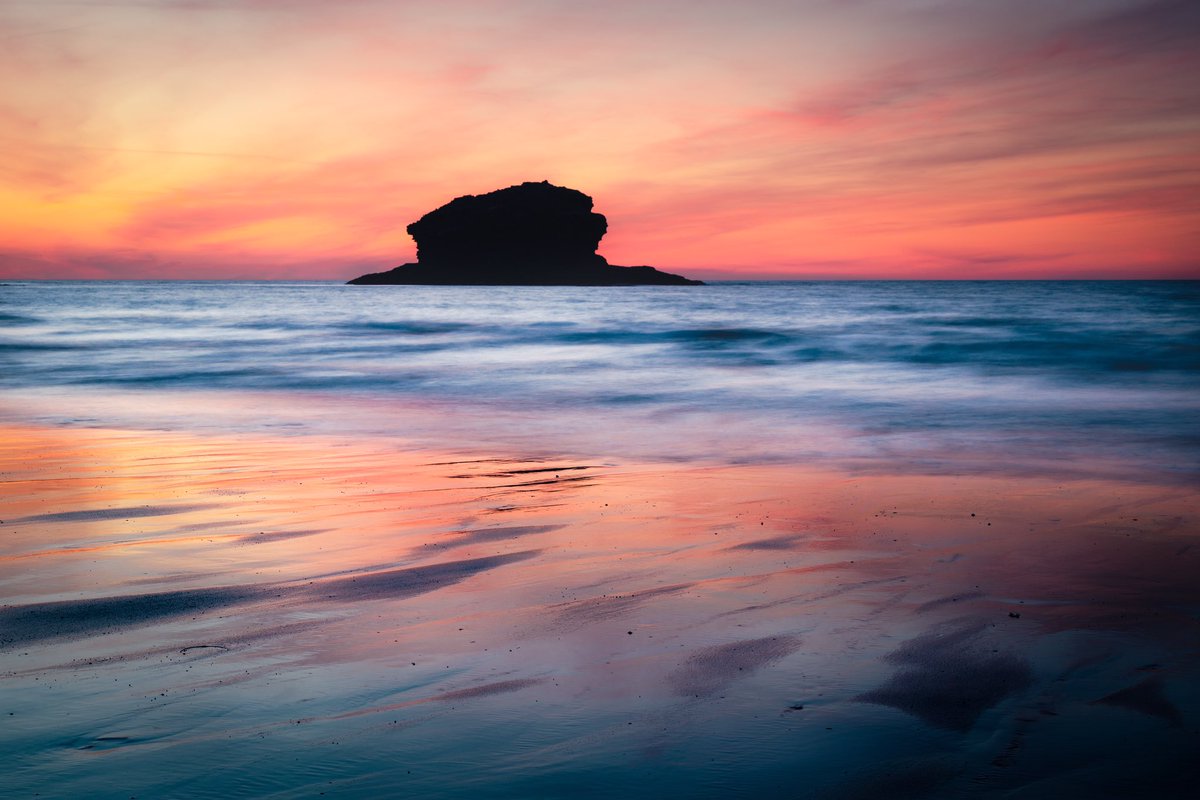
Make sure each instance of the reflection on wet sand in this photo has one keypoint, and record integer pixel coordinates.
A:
(319, 615)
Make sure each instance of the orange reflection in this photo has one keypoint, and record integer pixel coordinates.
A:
(388, 586)
(96, 513)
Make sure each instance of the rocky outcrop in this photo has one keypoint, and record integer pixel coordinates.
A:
(531, 234)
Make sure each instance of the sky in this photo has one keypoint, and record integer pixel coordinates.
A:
(295, 139)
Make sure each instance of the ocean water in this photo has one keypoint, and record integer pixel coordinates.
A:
(1006, 377)
(756, 540)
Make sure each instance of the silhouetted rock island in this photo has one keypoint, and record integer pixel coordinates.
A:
(535, 234)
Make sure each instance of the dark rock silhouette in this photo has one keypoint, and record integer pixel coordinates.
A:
(532, 234)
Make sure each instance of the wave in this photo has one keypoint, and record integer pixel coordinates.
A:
(1119, 362)
(17, 319)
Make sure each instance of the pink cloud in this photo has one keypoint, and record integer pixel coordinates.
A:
(774, 136)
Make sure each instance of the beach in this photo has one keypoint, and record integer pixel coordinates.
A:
(269, 590)
(324, 616)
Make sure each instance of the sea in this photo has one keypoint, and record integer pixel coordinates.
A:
(1070, 377)
(832, 540)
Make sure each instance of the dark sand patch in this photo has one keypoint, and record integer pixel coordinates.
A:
(949, 679)
(785, 542)
(183, 651)
(606, 607)
(523, 507)
(410, 580)
(536, 470)
(1146, 697)
(578, 480)
(713, 668)
(124, 512)
(485, 690)
(277, 536)
(114, 741)
(481, 461)
(233, 641)
(20, 625)
(214, 525)
(808, 597)
(463, 538)
(857, 585)
(499, 687)
(174, 577)
(948, 600)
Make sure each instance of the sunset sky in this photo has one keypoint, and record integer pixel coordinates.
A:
(773, 138)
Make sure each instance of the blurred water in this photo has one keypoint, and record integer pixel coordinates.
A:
(946, 376)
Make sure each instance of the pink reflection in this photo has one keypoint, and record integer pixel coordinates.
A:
(399, 585)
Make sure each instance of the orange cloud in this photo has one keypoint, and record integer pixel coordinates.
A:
(805, 139)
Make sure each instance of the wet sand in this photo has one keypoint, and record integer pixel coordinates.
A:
(214, 616)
